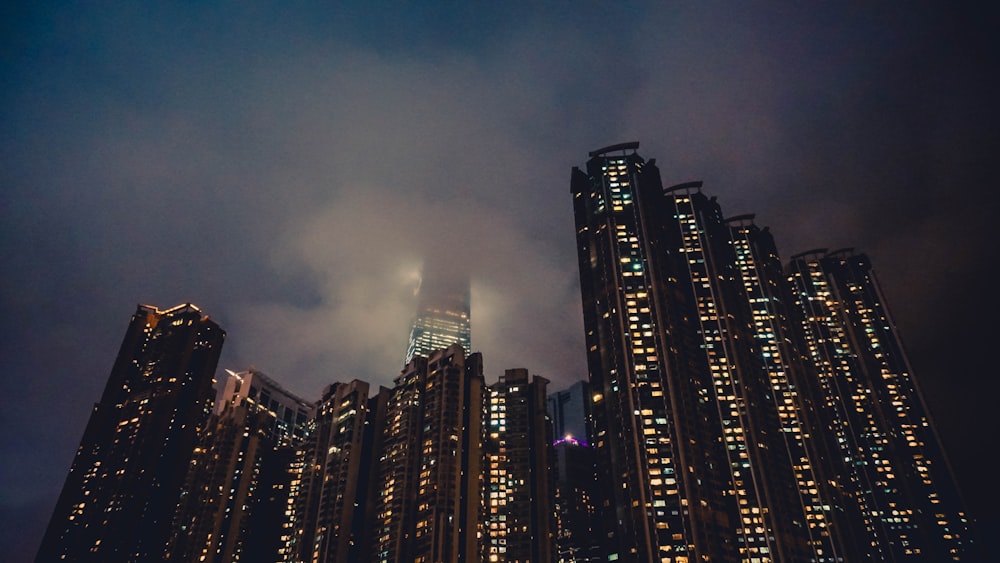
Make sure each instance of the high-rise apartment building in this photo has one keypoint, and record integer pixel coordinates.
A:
(893, 465)
(771, 523)
(662, 463)
(743, 411)
(518, 500)
(831, 525)
(119, 498)
(443, 311)
(236, 496)
(331, 508)
(430, 491)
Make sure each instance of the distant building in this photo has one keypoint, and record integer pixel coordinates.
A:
(119, 498)
(578, 529)
(430, 492)
(237, 492)
(519, 512)
(443, 312)
(569, 410)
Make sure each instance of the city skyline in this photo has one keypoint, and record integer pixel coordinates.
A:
(720, 384)
(285, 170)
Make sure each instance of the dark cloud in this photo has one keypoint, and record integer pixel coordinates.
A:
(286, 168)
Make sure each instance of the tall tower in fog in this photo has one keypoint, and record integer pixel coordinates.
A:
(119, 498)
(443, 311)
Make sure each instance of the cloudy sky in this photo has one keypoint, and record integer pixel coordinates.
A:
(286, 167)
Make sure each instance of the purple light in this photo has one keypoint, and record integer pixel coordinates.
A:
(571, 440)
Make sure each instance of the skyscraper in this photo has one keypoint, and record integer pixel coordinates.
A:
(119, 498)
(893, 465)
(443, 311)
(662, 463)
(742, 411)
(237, 490)
(831, 524)
(430, 494)
(518, 502)
(331, 510)
(770, 524)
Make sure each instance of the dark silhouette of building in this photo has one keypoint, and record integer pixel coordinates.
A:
(569, 410)
(119, 498)
(578, 530)
(519, 513)
(236, 497)
(430, 491)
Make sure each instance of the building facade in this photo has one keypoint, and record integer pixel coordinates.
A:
(746, 411)
(119, 498)
(429, 505)
(331, 508)
(237, 490)
(745, 383)
(658, 437)
(831, 519)
(518, 502)
(894, 470)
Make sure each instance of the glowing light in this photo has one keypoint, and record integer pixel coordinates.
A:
(571, 440)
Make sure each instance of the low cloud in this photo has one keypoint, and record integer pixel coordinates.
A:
(364, 252)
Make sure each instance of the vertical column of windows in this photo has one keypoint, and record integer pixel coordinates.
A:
(730, 403)
(499, 491)
(846, 399)
(766, 328)
(660, 493)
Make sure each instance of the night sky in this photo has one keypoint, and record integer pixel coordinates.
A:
(286, 166)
